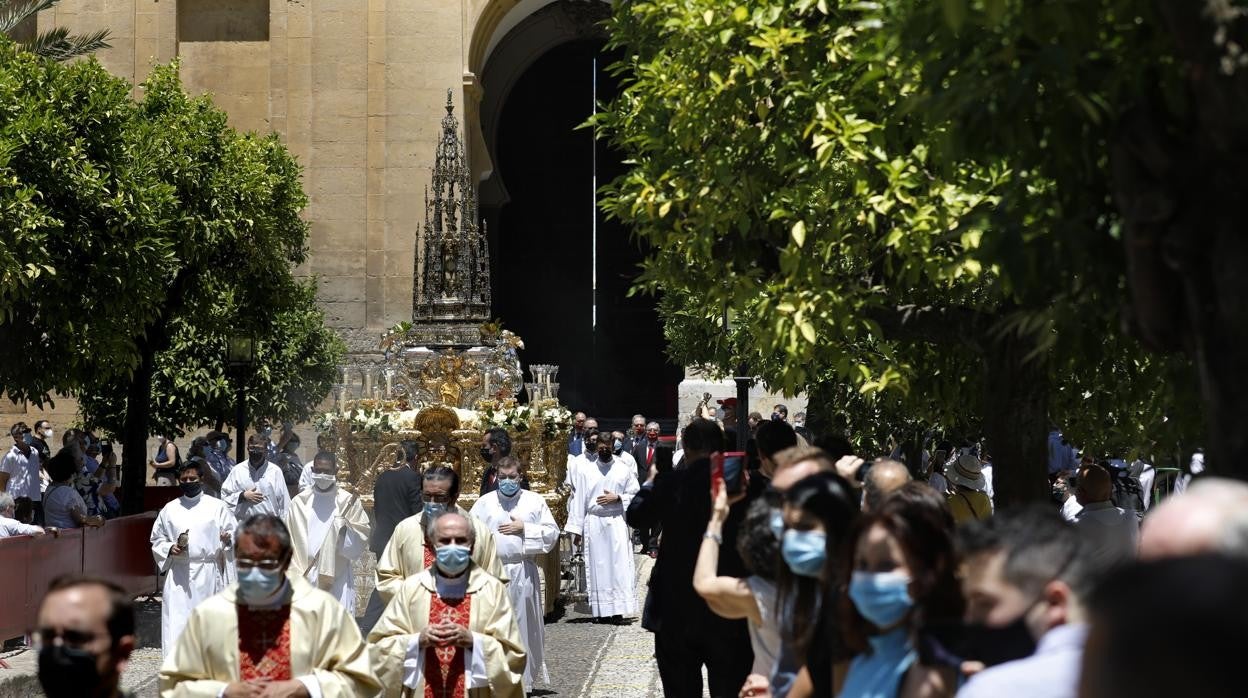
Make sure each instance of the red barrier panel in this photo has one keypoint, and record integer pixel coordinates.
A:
(50, 557)
(15, 561)
(120, 551)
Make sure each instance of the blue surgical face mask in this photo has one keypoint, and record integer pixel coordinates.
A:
(618, 447)
(432, 509)
(804, 551)
(776, 524)
(883, 598)
(257, 584)
(453, 559)
(508, 487)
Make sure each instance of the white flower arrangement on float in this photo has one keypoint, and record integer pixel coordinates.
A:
(371, 421)
(556, 419)
(506, 415)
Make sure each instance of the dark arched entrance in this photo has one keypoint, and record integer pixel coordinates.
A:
(610, 347)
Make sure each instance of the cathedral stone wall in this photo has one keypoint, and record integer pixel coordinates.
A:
(355, 88)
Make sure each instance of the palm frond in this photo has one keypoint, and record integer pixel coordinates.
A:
(14, 12)
(59, 45)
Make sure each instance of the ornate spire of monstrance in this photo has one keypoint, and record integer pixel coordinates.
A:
(455, 284)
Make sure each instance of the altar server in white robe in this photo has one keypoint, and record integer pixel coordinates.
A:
(256, 486)
(601, 491)
(523, 529)
(189, 541)
(329, 530)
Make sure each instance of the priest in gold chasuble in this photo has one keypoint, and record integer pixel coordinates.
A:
(449, 631)
(408, 552)
(271, 629)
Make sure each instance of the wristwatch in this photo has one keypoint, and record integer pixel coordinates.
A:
(714, 536)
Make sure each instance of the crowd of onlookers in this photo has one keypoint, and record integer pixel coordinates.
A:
(42, 489)
(831, 575)
(49, 483)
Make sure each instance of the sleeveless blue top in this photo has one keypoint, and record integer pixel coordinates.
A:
(879, 673)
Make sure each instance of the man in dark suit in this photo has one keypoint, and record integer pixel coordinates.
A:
(636, 436)
(687, 635)
(576, 442)
(643, 452)
(495, 445)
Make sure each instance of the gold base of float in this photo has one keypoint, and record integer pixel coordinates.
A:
(450, 437)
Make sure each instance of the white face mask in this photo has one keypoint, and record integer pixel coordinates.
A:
(47, 433)
(323, 481)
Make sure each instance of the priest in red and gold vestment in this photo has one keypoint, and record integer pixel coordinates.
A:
(449, 631)
(271, 634)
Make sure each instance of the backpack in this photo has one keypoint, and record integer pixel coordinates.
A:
(1128, 493)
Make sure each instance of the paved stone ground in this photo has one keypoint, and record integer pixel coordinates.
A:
(585, 659)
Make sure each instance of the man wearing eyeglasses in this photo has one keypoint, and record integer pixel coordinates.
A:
(19, 470)
(409, 551)
(272, 634)
(450, 630)
(84, 637)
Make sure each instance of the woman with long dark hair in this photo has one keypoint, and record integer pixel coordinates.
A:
(900, 577)
(817, 515)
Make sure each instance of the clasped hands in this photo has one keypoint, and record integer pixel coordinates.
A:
(267, 689)
(445, 634)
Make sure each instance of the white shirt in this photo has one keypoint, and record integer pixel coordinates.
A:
(1111, 532)
(269, 481)
(13, 527)
(23, 473)
(1052, 672)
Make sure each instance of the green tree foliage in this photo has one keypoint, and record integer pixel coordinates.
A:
(783, 173)
(55, 44)
(139, 236)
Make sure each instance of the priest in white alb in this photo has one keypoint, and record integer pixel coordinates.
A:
(272, 634)
(601, 490)
(523, 529)
(256, 486)
(449, 630)
(329, 530)
(189, 540)
(408, 552)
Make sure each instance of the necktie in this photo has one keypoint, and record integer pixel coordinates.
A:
(650, 455)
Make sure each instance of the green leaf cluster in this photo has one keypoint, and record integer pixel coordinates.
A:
(803, 171)
(138, 236)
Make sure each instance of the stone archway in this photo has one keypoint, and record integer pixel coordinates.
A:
(508, 37)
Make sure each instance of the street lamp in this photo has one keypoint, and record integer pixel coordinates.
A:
(240, 358)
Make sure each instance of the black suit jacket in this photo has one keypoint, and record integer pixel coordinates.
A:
(680, 500)
(637, 449)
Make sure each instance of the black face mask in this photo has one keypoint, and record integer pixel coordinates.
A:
(486, 454)
(191, 489)
(67, 672)
(993, 646)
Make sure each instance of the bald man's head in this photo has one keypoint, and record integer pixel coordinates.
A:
(797, 463)
(1211, 516)
(1095, 485)
(885, 477)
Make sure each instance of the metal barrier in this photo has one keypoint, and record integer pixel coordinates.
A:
(119, 551)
